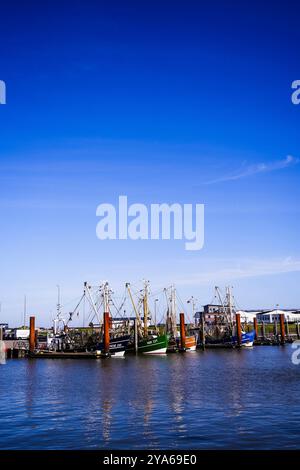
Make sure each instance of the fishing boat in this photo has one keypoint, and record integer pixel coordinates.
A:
(222, 332)
(91, 342)
(145, 341)
(154, 344)
(190, 342)
(116, 343)
(247, 339)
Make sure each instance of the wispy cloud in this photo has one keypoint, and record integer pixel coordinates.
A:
(251, 170)
(233, 270)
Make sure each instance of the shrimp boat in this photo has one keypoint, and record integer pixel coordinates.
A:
(66, 342)
(223, 331)
(146, 341)
(118, 341)
(190, 342)
(117, 346)
(154, 344)
(246, 341)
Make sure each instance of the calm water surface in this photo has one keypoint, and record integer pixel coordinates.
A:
(218, 399)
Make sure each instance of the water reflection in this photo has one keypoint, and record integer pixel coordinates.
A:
(31, 388)
(106, 420)
(205, 400)
(177, 393)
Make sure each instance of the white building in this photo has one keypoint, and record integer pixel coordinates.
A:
(269, 316)
(247, 316)
(274, 315)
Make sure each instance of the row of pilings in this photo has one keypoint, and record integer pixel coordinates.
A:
(280, 335)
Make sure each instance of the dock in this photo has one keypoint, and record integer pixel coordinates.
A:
(16, 348)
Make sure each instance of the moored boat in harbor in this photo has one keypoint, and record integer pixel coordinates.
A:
(112, 342)
(117, 346)
(247, 339)
(224, 330)
(145, 340)
(153, 344)
(175, 343)
(190, 343)
(100, 341)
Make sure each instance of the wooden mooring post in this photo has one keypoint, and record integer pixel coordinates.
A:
(32, 334)
(282, 328)
(203, 330)
(106, 333)
(238, 328)
(182, 332)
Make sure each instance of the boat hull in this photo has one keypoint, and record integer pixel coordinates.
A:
(190, 343)
(230, 342)
(156, 345)
(247, 339)
(117, 346)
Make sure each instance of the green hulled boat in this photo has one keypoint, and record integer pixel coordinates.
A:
(146, 341)
(154, 345)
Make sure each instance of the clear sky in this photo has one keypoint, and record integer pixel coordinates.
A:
(186, 102)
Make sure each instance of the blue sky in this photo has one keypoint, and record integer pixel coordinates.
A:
(185, 102)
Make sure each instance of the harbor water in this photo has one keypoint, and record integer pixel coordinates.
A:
(217, 399)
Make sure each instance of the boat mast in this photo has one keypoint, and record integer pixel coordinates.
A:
(168, 319)
(217, 289)
(106, 316)
(229, 302)
(193, 301)
(173, 311)
(87, 290)
(145, 308)
(106, 297)
(171, 320)
(138, 319)
(58, 313)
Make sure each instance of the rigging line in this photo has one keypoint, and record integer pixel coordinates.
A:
(156, 293)
(180, 301)
(161, 315)
(72, 301)
(77, 306)
(124, 312)
(118, 309)
(123, 298)
(185, 309)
